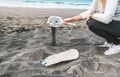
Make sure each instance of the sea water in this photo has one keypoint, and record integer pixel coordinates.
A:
(46, 3)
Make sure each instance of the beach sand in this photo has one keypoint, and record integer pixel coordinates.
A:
(25, 38)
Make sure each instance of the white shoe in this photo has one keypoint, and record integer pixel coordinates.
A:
(106, 44)
(113, 50)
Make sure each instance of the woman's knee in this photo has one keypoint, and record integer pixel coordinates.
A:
(92, 22)
(91, 28)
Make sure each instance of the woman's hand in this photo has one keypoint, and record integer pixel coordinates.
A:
(89, 17)
(67, 20)
(72, 19)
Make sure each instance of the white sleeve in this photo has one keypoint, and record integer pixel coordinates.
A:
(91, 9)
(109, 12)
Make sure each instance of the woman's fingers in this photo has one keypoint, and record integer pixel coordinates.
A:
(65, 23)
(67, 20)
(88, 19)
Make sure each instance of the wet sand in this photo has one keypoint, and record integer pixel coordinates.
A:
(25, 38)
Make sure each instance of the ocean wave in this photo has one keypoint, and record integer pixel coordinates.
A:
(58, 2)
(44, 4)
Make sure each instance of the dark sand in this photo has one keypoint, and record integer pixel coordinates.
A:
(25, 38)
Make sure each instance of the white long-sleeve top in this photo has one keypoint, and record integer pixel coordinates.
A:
(111, 12)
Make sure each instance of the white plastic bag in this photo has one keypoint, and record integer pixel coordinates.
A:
(56, 21)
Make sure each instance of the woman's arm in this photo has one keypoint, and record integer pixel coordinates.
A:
(83, 15)
(72, 19)
(109, 12)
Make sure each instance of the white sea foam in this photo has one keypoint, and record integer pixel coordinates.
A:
(19, 3)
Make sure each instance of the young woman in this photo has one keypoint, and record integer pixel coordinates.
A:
(103, 18)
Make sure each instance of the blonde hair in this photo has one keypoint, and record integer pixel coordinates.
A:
(102, 4)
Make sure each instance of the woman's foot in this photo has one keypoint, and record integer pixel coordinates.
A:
(106, 44)
(113, 50)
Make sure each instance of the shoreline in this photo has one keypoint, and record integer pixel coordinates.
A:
(38, 8)
(61, 4)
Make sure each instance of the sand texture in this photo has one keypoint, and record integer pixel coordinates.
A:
(25, 38)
